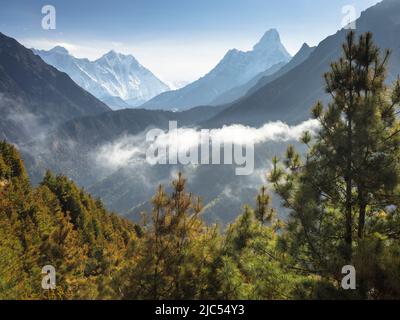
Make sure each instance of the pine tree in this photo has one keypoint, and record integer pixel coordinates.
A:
(171, 254)
(264, 213)
(351, 172)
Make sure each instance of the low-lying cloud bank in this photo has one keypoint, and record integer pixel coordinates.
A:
(131, 150)
(128, 180)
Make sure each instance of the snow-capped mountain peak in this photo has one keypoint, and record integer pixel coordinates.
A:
(235, 69)
(113, 58)
(112, 55)
(111, 77)
(271, 43)
(271, 37)
(59, 50)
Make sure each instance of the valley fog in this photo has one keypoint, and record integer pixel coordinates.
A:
(118, 172)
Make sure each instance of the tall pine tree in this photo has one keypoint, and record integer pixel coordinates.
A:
(351, 172)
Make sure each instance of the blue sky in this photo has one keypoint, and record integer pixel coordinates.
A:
(179, 40)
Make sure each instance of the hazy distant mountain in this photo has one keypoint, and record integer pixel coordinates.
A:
(264, 77)
(116, 103)
(236, 68)
(240, 91)
(291, 96)
(111, 78)
(299, 58)
(175, 85)
(35, 96)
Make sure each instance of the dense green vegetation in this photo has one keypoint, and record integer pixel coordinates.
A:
(343, 198)
(55, 224)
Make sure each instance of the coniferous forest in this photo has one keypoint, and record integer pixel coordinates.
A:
(342, 196)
